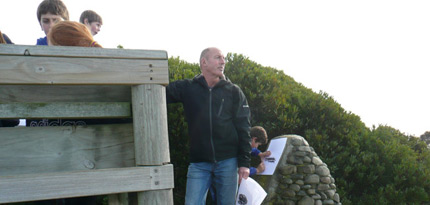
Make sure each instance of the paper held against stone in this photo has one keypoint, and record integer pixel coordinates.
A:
(276, 147)
(250, 193)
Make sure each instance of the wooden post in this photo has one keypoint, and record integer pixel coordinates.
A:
(85, 83)
(151, 135)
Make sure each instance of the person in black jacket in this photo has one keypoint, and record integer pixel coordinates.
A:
(218, 118)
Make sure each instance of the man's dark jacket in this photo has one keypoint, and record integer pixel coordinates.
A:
(218, 119)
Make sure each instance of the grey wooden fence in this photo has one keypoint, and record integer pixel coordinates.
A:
(50, 82)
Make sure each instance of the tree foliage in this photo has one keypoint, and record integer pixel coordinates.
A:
(426, 138)
(379, 165)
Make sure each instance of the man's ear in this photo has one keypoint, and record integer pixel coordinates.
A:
(86, 21)
(202, 61)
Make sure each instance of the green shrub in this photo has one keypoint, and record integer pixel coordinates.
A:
(381, 165)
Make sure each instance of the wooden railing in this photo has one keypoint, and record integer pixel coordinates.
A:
(51, 162)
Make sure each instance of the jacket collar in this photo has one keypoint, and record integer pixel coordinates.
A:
(201, 80)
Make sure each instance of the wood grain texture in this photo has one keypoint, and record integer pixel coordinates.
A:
(77, 71)
(150, 125)
(65, 110)
(159, 197)
(70, 51)
(84, 183)
(64, 93)
(25, 150)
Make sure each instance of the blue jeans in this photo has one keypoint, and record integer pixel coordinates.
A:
(222, 174)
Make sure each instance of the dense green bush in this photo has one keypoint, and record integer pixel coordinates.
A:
(379, 165)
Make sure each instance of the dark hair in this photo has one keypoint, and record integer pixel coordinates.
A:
(92, 16)
(260, 133)
(71, 33)
(56, 7)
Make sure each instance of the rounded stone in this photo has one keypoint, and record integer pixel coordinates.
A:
(323, 187)
(307, 186)
(306, 169)
(304, 148)
(296, 141)
(317, 161)
(328, 201)
(300, 154)
(294, 187)
(316, 196)
(311, 191)
(312, 179)
(323, 196)
(322, 171)
(288, 169)
(336, 198)
(300, 182)
(306, 201)
(301, 193)
(330, 193)
(289, 181)
(291, 159)
(307, 159)
(325, 180)
(297, 176)
(290, 193)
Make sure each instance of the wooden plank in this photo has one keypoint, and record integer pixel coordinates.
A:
(84, 183)
(23, 70)
(150, 124)
(65, 110)
(64, 93)
(118, 199)
(25, 150)
(70, 51)
(160, 197)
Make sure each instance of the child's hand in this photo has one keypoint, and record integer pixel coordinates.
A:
(264, 154)
(261, 167)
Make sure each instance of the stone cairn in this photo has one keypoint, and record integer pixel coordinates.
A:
(300, 177)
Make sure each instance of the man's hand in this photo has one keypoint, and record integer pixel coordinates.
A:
(243, 173)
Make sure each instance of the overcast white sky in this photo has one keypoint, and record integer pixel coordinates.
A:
(372, 56)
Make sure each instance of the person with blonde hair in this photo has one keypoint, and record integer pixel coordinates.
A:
(71, 33)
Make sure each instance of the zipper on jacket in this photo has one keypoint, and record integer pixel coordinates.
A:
(220, 107)
(210, 124)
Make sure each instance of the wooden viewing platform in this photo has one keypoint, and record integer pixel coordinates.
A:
(51, 162)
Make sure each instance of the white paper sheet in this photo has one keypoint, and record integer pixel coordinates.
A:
(250, 193)
(276, 147)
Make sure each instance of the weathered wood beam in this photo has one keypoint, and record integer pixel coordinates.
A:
(21, 70)
(150, 125)
(70, 51)
(21, 188)
(31, 150)
(65, 110)
(65, 93)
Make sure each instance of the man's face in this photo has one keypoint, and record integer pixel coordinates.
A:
(48, 20)
(214, 62)
(94, 27)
